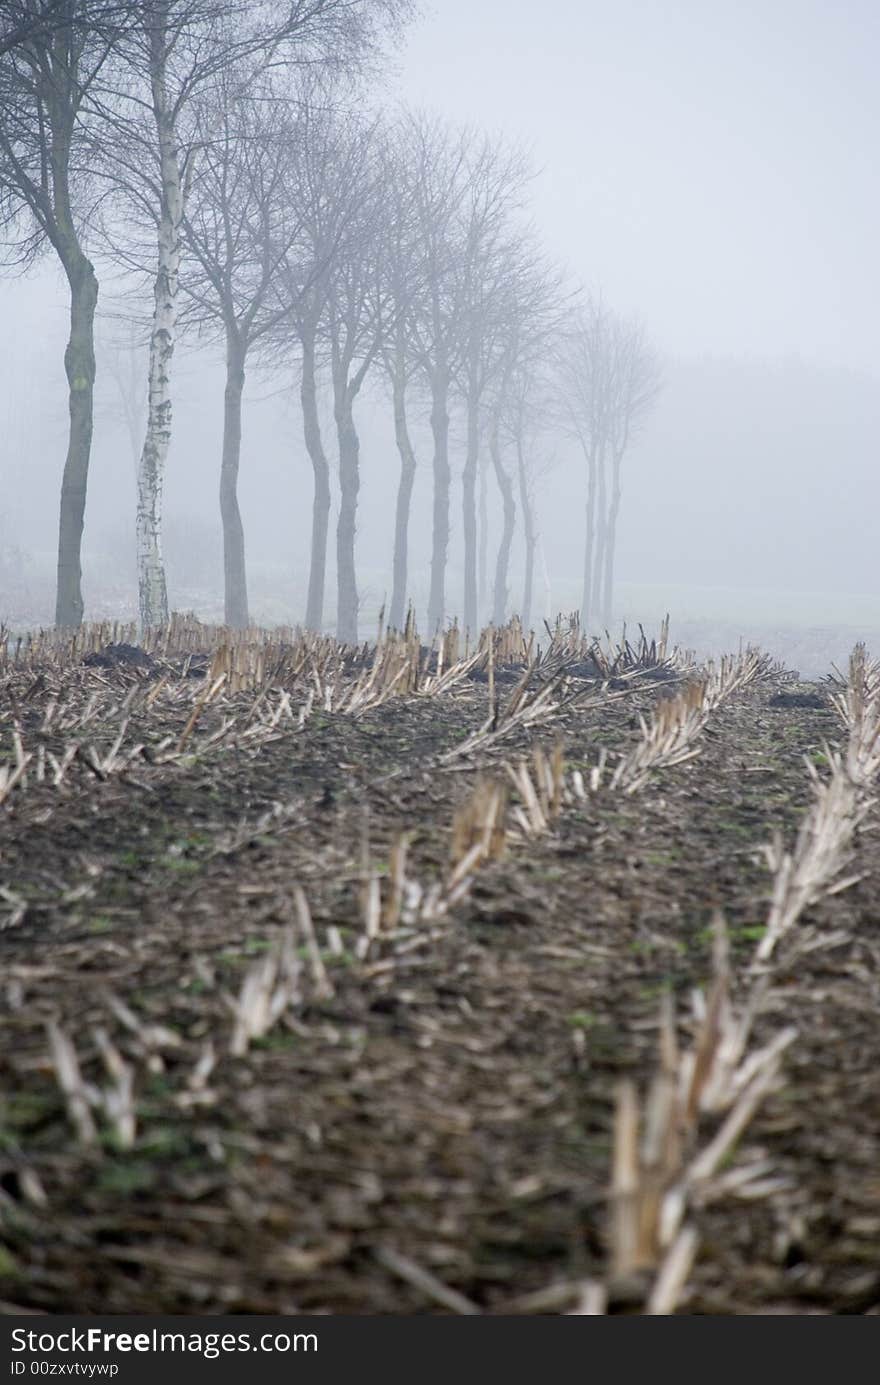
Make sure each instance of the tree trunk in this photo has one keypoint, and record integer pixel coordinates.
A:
(79, 364)
(484, 540)
(587, 598)
(152, 590)
(404, 499)
(548, 589)
(234, 572)
(611, 543)
(502, 565)
(469, 512)
(349, 485)
(440, 526)
(321, 503)
(601, 535)
(528, 510)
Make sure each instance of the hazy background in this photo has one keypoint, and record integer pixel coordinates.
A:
(710, 165)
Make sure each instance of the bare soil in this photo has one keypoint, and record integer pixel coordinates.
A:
(451, 1104)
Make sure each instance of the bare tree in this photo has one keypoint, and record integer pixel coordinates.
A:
(495, 183)
(22, 22)
(508, 503)
(483, 537)
(359, 308)
(404, 271)
(524, 302)
(465, 276)
(35, 22)
(51, 58)
(608, 382)
(526, 417)
(178, 49)
(580, 370)
(240, 228)
(637, 380)
(437, 158)
(324, 176)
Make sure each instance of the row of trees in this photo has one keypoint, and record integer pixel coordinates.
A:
(215, 149)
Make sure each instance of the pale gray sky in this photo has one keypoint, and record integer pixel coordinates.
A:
(711, 163)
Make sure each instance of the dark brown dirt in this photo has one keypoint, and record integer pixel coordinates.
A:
(453, 1106)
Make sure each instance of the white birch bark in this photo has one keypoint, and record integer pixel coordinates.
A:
(152, 590)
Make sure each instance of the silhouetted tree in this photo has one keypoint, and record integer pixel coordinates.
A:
(52, 57)
(404, 269)
(437, 159)
(325, 176)
(358, 311)
(489, 236)
(240, 229)
(529, 300)
(609, 378)
(525, 420)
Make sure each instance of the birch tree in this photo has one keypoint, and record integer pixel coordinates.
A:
(179, 48)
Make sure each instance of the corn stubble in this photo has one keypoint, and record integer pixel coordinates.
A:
(670, 1146)
(668, 1152)
(816, 867)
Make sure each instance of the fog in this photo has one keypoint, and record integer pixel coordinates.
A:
(710, 168)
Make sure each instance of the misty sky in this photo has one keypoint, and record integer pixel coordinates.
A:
(711, 166)
(711, 163)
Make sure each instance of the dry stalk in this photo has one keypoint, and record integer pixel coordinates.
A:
(213, 689)
(197, 1091)
(524, 708)
(424, 1281)
(570, 645)
(592, 1299)
(116, 1101)
(441, 682)
(270, 986)
(397, 883)
(10, 775)
(664, 1163)
(198, 1078)
(732, 673)
(479, 827)
(541, 787)
(859, 708)
(78, 1097)
(668, 738)
(151, 1039)
(321, 981)
(821, 853)
(18, 907)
